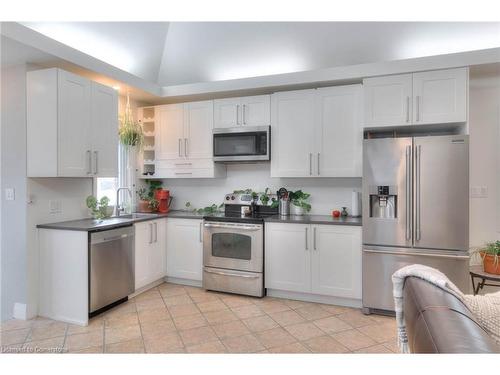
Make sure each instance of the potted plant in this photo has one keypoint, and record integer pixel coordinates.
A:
(99, 209)
(147, 197)
(130, 131)
(490, 254)
(299, 202)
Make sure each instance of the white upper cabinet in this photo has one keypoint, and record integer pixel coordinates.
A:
(292, 133)
(440, 96)
(198, 125)
(317, 133)
(433, 97)
(387, 100)
(339, 134)
(104, 130)
(170, 132)
(226, 113)
(72, 126)
(184, 249)
(244, 111)
(183, 141)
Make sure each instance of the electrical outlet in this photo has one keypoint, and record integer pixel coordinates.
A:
(55, 207)
(479, 191)
(10, 194)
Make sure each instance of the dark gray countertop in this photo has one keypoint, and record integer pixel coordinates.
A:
(91, 225)
(314, 219)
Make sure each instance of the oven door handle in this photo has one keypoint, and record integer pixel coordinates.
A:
(232, 274)
(235, 227)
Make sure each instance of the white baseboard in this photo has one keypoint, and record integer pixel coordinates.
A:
(308, 297)
(147, 287)
(19, 311)
(175, 280)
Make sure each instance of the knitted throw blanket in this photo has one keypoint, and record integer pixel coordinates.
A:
(486, 309)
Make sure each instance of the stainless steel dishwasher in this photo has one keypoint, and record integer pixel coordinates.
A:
(111, 267)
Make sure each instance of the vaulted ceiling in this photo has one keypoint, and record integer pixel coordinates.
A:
(177, 53)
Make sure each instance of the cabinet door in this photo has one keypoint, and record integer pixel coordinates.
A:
(158, 253)
(256, 110)
(74, 130)
(104, 131)
(387, 100)
(227, 113)
(292, 133)
(440, 96)
(288, 257)
(336, 261)
(198, 125)
(184, 249)
(169, 137)
(339, 135)
(143, 242)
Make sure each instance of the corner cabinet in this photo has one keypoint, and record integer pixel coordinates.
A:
(245, 111)
(323, 260)
(185, 249)
(433, 97)
(150, 251)
(317, 133)
(183, 141)
(72, 126)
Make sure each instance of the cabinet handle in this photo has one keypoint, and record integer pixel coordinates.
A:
(307, 242)
(186, 147)
(183, 163)
(96, 153)
(237, 114)
(150, 233)
(314, 238)
(418, 108)
(201, 229)
(244, 115)
(318, 163)
(310, 164)
(407, 109)
(89, 162)
(179, 151)
(156, 232)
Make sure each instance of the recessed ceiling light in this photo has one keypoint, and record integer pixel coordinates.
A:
(116, 88)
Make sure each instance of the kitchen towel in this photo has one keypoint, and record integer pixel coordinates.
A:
(355, 205)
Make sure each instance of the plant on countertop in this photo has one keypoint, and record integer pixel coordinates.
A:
(490, 255)
(299, 199)
(98, 208)
(130, 131)
(145, 197)
(205, 210)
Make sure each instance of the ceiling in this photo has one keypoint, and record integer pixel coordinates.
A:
(179, 53)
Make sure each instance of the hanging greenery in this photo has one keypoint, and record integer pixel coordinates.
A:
(130, 131)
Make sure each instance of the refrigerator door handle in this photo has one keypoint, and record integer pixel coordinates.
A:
(450, 256)
(408, 193)
(417, 193)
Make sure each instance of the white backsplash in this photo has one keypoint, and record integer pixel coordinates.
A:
(327, 194)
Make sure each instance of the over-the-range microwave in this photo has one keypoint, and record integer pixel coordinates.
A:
(242, 144)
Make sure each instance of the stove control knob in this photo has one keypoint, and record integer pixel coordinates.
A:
(227, 197)
(232, 197)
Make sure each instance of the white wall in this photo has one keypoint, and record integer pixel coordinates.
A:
(326, 193)
(484, 124)
(13, 163)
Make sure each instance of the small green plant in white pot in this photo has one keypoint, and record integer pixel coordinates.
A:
(299, 204)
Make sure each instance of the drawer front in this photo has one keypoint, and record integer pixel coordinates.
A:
(239, 282)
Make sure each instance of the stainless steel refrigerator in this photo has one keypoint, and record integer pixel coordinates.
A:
(415, 210)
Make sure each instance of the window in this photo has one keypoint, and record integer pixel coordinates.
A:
(106, 186)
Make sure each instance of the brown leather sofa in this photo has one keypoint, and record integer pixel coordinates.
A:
(438, 322)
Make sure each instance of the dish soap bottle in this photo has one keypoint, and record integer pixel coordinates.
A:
(344, 212)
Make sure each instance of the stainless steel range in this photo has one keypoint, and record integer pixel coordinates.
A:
(233, 247)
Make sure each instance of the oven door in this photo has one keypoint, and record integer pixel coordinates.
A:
(234, 246)
(250, 143)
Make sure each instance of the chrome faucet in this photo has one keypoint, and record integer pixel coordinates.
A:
(118, 207)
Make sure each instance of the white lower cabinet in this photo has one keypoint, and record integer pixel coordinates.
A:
(318, 259)
(150, 251)
(184, 249)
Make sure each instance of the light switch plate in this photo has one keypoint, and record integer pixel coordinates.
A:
(479, 191)
(10, 194)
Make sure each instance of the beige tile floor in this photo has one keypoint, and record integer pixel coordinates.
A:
(179, 319)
